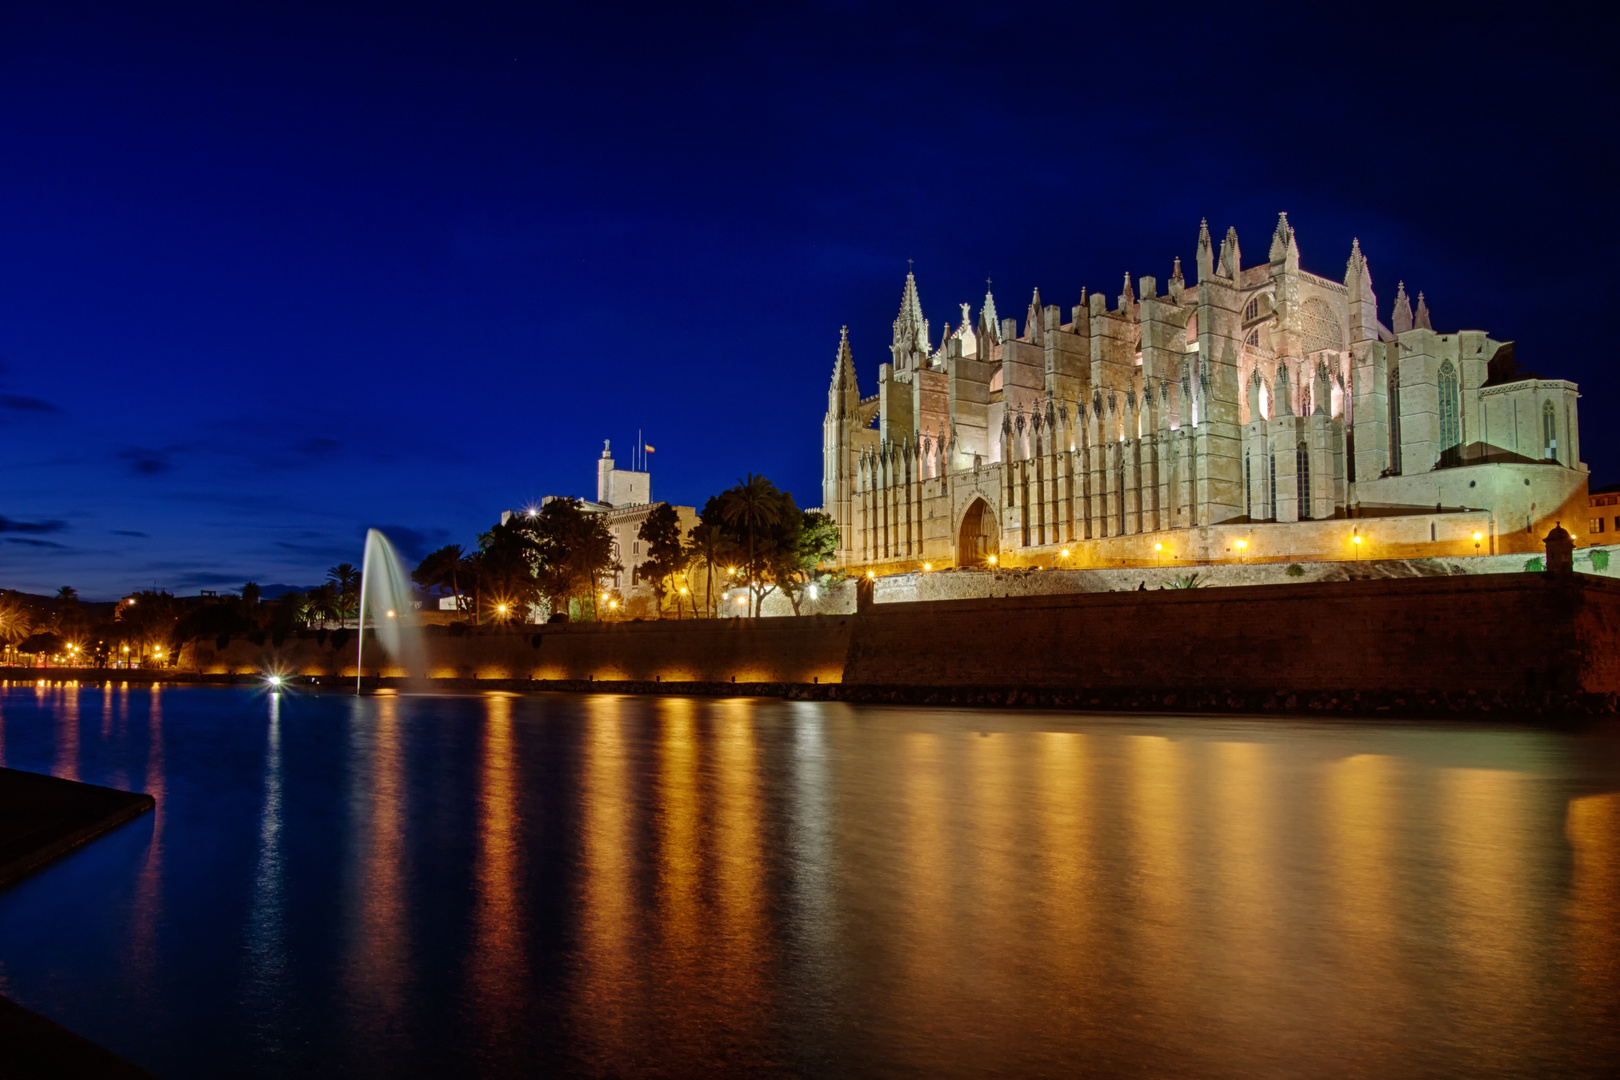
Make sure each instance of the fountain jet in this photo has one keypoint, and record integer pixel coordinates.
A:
(385, 592)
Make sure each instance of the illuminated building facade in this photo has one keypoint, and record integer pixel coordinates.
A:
(1261, 412)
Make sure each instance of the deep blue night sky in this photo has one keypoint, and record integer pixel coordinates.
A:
(272, 274)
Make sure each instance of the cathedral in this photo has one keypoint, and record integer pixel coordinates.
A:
(1260, 413)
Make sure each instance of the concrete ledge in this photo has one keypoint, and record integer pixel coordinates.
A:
(44, 817)
(34, 1048)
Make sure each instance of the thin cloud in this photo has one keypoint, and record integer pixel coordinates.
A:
(23, 403)
(8, 525)
(35, 543)
(131, 532)
(145, 462)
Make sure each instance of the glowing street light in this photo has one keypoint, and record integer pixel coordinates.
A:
(1477, 538)
(1242, 546)
(1356, 540)
(274, 681)
(928, 566)
(991, 560)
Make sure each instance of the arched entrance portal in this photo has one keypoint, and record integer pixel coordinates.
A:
(978, 538)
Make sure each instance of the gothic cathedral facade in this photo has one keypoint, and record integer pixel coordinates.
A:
(1261, 413)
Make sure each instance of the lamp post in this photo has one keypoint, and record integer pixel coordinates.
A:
(1477, 538)
(1356, 542)
(1242, 546)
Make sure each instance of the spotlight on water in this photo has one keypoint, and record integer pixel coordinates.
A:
(274, 681)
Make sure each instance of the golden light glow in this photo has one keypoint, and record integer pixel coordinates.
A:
(928, 566)
(390, 614)
(1477, 537)
(1355, 539)
(1064, 553)
(870, 574)
(1241, 544)
(1158, 547)
(683, 590)
(991, 560)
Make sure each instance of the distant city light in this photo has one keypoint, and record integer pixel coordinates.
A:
(274, 680)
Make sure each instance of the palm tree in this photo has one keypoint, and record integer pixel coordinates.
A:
(67, 593)
(754, 502)
(322, 602)
(347, 580)
(443, 567)
(15, 622)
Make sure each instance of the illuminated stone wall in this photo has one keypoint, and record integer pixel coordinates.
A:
(1501, 632)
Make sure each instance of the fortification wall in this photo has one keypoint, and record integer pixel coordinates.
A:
(807, 650)
(1498, 632)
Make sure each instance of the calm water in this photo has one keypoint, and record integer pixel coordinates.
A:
(412, 886)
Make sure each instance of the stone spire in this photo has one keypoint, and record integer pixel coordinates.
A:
(989, 318)
(1205, 260)
(1357, 264)
(844, 395)
(1178, 284)
(1281, 238)
(1231, 256)
(1421, 319)
(1401, 319)
(910, 328)
(1033, 318)
(1128, 297)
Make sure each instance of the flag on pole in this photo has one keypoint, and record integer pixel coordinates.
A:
(647, 447)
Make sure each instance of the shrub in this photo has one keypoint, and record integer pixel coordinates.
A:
(1533, 566)
(1600, 560)
(1296, 570)
(1186, 581)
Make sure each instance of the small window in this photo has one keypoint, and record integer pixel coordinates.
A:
(1617, 523)
(1595, 525)
(1252, 309)
(1549, 431)
(635, 547)
(1253, 340)
(1302, 463)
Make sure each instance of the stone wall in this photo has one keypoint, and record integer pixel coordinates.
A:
(807, 650)
(1510, 632)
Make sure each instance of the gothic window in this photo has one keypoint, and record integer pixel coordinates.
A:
(1271, 470)
(1394, 420)
(1450, 411)
(1248, 488)
(1252, 310)
(1549, 431)
(1319, 327)
(1302, 465)
(1253, 340)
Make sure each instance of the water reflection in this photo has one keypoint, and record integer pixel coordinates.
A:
(267, 960)
(606, 964)
(619, 886)
(498, 964)
(1593, 828)
(66, 710)
(149, 883)
(377, 967)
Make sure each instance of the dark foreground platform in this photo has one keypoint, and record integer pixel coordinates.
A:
(43, 818)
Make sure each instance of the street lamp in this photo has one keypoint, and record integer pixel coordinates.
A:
(1477, 538)
(1356, 540)
(1241, 545)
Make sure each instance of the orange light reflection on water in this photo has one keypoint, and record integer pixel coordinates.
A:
(499, 966)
